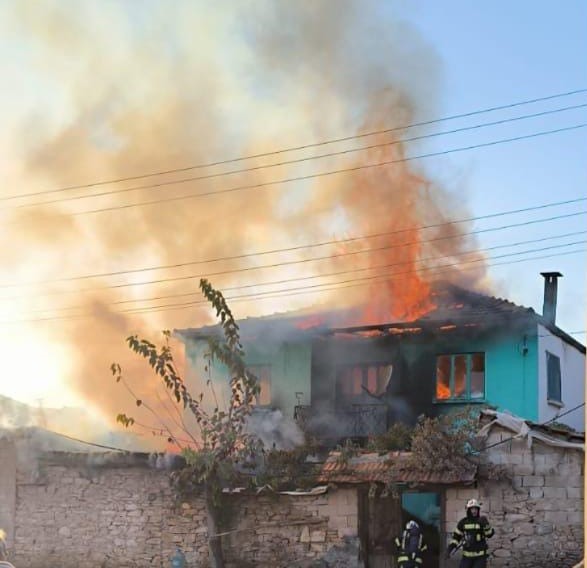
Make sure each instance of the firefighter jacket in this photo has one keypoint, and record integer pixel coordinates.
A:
(410, 548)
(473, 532)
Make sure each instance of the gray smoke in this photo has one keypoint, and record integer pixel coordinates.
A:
(275, 430)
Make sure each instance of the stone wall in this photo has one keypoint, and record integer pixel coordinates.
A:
(118, 511)
(537, 512)
(7, 487)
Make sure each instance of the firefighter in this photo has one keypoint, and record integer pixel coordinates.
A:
(3, 549)
(410, 546)
(472, 532)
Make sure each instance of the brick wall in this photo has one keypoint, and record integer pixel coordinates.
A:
(119, 512)
(537, 513)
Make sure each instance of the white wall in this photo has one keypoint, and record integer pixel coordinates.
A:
(572, 363)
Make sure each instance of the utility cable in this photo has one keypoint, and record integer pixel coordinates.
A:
(341, 272)
(542, 425)
(302, 290)
(416, 271)
(320, 244)
(278, 164)
(172, 199)
(304, 146)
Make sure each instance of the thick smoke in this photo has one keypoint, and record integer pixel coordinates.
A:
(133, 89)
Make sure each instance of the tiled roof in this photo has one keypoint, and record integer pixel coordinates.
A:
(376, 468)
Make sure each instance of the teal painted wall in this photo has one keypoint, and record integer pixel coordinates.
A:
(290, 371)
(290, 364)
(511, 370)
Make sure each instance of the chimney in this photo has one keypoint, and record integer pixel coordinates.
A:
(550, 288)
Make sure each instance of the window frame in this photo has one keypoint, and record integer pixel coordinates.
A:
(469, 365)
(553, 401)
(252, 368)
(342, 395)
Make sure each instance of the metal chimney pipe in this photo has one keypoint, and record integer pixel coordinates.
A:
(550, 294)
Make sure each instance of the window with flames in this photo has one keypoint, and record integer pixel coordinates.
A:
(460, 376)
(263, 374)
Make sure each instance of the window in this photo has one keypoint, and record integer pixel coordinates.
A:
(355, 380)
(460, 377)
(553, 373)
(263, 374)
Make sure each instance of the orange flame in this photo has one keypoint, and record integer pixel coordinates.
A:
(442, 391)
(390, 201)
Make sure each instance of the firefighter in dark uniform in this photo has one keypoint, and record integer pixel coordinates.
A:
(472, 531)
(410, 546)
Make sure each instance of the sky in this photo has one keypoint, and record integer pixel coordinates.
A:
(103, 90)
(492, 54)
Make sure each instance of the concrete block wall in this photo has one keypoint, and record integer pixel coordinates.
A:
(537, 512)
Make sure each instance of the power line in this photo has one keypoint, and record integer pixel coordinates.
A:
(277, 164)
(416, 271)
(320, 244)
(557, 417)
(306, 289)
(304, 146)
(86, 442)
(340, 272)
(320, 174)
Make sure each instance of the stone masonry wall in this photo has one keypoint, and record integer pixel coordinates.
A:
(80, 514)
(7, 487)
(273, 530)
(537, 513)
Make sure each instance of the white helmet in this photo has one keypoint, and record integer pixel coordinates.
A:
(471, 503)
(412, 525)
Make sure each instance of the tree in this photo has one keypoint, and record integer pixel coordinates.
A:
(442, 447)
(222, 445)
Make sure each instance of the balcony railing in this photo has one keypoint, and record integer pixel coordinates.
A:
(354, 421)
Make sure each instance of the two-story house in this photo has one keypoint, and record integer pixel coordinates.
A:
(353, 381)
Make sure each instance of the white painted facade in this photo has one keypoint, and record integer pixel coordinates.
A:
(572, 364)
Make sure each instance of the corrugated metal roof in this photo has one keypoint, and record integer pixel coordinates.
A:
(376, 468)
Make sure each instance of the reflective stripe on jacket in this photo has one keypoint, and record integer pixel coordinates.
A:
(474, 532)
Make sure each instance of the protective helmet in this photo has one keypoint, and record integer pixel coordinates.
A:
(472, 504)
(2, 535)
(412, 525)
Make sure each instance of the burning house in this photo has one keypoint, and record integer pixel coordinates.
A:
(340, 381)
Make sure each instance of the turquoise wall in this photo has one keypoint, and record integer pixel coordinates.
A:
(290, 364)
(511, 370)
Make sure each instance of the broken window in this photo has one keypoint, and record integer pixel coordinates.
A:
(263, 374)
(356, 380)
(460, 376)
(553, 371)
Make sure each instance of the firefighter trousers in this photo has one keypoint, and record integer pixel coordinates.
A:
(478, 562)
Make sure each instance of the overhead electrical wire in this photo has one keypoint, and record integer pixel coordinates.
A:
(172, 199)
(320, 244)
(417, 271)
(340, 272)
(278, 164)
(543, 424)
(303, 146)
(320, 287)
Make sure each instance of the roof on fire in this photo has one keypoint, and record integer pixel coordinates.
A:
(456, 308)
